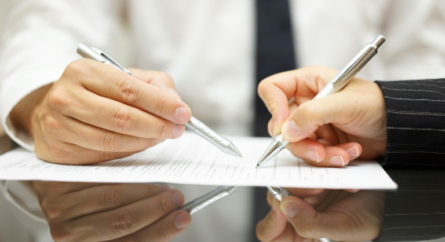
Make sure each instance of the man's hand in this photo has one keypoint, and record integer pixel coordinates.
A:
(96, 112)
(111, 212)
(329, 131)
(313, 213)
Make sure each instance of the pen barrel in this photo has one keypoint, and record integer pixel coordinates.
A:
(208, 134)
(207, 199)
(352, 68)
(87, 52)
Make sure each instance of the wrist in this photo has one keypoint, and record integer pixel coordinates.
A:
(22, 113)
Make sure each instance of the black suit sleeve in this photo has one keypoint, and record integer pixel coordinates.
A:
(415, 138)
(416, 122)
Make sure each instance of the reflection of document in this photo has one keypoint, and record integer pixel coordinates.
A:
(191, 160)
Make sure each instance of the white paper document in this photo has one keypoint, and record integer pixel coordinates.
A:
(192, 160)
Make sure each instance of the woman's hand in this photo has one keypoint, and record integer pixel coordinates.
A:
(329, 131)
(316, 213)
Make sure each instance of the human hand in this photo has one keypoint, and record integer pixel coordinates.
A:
(329, 131)
(316, 213)
(111, 212)
(96, 112)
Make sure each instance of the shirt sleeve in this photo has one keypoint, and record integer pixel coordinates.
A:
(415, 121)
(40, 40)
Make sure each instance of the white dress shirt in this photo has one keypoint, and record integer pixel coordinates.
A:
(207, 46)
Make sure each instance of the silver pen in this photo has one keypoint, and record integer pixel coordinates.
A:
(207, 199)
(193, 125)
(335, 85)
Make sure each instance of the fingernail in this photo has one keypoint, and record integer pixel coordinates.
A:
(177, 198)
(353, 152)
(337, 160)
(182, 115)
(313, 155)
(290, 209)
(165, 188)
(182, 221)
(291, 130)
(174, 92)
(274, 129)
(177, 131)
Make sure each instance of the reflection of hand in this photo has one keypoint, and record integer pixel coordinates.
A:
(96, 112)
(330, 131)
(118, 212)
(316, 213)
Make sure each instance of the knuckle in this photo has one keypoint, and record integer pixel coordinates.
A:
(61, 234)
(57, 99)
(165, 129)
(128, 90)
(53, 210)
(123, 222)
(161, 104)
(55, 150)
(51, 125)
(306, 230)
(307, 110)
(103, 156)
(111, 142)
(112, 198)
(77, 68)
(262, 89)
(123, 119)
(164, 206)
(161, 233)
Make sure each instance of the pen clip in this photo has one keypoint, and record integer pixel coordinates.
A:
(111, 60)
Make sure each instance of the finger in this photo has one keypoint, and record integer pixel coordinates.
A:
(59, 152)
(109, 82)
(273, 225)
(305, 192)
(309, 150)
(156, 78)
(308, 223)
(327, 134)
(128, 219)
(275, 94)
(94, 138)
(103, 198)
(354, 149)
(313, 114)
(62, 188)
(114, 116)
(302, 84)
(314, 153)
(164, 230)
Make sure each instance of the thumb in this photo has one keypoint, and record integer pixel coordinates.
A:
(309, 116)
(307, 222)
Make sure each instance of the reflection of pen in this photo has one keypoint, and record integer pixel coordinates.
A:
(207, 199)
(279, 193)
(335, 85)
(194, 124)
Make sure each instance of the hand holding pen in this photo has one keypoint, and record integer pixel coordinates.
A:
(313, 123)
(193, 124)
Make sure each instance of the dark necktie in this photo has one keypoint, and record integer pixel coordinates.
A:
(274, 54)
